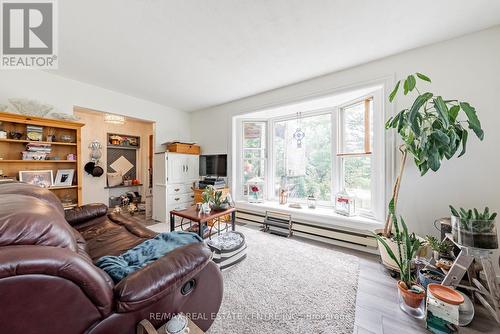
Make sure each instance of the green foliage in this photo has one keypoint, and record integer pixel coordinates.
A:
(438, 246)
(214, 197)
(207, 195)
(475, 221)
(431, 129)
(408, 245)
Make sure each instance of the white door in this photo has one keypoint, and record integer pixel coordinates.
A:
(177, 170)
(193, 167)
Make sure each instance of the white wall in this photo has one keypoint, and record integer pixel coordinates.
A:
(467, 68)
(64, 94)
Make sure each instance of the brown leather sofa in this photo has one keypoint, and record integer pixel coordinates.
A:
(49, 284)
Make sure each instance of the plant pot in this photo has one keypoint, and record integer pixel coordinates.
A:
(222, 207)
(386, 259)
(411, 298)
(427, 276)
(476, 233)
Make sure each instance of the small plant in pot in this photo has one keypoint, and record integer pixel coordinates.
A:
(408, 245)
(431, 129)
(441, 249)
(215, 199)
(475, 229)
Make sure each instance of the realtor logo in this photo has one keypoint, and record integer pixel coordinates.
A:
(28, 34)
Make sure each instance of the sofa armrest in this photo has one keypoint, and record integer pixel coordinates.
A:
(83, 214)
(62, 263)
(161, 277)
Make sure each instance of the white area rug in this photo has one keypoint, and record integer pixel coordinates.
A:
(287, 286)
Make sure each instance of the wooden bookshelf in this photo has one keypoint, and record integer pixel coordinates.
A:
(11, 157)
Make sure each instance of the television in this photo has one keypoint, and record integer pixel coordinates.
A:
(213, 165)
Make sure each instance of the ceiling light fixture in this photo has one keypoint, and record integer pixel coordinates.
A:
(114, 119)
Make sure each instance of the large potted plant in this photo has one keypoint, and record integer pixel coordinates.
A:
(431, 129)
(407, 245)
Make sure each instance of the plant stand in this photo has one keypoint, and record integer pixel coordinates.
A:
(489, 298)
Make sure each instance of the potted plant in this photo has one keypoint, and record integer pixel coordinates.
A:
(407, 246)
(214, 199)
(206, 199)
(431, 129)
(475, 229)
(441, 249)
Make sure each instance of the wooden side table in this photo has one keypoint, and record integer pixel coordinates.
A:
(145, 327)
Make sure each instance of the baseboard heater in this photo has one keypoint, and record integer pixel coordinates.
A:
(333, 235)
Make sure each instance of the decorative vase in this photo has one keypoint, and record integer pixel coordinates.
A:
(205, 208)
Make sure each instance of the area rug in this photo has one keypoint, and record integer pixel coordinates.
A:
(287, 286)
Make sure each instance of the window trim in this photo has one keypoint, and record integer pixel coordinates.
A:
(382, 146)
(239, 171)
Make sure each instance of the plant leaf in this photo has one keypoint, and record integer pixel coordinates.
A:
(442, 110)
(440, 137)
(394, 92)
(388, 249)
(405, 87)
(411, 82)
(423, 77)
(474, 123)
(392, 207)
(464, 142)
(434, 161)
(453, 113)
(412, 116)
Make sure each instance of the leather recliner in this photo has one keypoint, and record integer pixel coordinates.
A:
(49, 283)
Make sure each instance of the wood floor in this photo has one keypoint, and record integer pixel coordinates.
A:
(377, 309)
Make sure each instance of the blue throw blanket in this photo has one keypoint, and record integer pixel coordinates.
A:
(118, 267)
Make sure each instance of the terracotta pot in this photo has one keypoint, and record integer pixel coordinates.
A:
(410, 298)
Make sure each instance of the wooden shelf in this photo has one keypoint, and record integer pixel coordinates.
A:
(123, 186)
(62, 187)
(39, 161)
(124, 147)
(71, 206)
(25, 141)
(10, 150)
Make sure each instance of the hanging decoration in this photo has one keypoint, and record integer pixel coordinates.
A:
(299, 135)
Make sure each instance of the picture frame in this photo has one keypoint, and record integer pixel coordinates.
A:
(64, 177)
(41, 178)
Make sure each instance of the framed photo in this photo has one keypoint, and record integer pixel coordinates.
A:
(42, 178)
(64, 177)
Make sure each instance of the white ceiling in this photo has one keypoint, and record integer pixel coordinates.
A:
(192, 54)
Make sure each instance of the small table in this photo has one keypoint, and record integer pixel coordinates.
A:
(201, 218)
(145, 327)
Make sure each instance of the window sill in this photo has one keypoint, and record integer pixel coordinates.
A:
(319, 216)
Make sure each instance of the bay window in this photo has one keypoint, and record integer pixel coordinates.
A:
(318, 152)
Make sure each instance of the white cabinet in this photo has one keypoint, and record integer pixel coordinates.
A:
(173, 180)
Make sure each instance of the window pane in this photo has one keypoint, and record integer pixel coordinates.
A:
(353, 129)
(254, 135)
(357, 179)
(251, 169)
(305, 167)
(253, 153)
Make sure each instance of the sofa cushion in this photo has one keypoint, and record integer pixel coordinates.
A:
(145, 253)
(33, 191)
(104, 237)
(25, 220)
